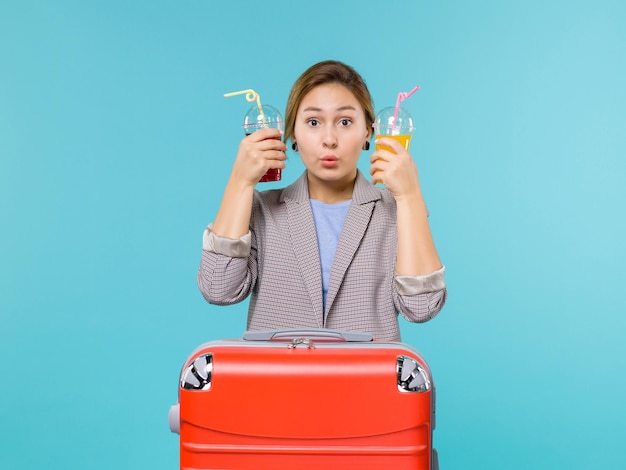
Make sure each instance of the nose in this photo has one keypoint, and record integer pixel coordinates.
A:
(330, 138)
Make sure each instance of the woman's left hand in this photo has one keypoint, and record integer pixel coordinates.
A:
(395, 169)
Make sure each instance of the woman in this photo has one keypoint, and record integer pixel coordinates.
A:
(332, 249)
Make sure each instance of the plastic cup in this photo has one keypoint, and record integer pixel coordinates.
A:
(395, 125)
(256, 119)
(399, 127)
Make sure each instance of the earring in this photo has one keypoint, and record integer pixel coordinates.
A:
(367, 145)
(294, 147)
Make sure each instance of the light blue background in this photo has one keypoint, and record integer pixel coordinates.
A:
(115, 144)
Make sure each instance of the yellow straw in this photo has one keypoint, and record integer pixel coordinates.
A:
(251, 96)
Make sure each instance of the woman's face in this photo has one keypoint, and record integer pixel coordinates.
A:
(330, 131)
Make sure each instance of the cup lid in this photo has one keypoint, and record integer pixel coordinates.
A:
(386, 119)
(255, 118)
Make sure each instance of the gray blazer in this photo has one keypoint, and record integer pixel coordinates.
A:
(278, 263)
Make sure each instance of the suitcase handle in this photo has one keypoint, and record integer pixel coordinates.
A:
(319, 335)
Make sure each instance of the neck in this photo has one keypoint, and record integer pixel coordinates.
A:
(331, 192)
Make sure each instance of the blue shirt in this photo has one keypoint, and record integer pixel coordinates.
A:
(329, 220)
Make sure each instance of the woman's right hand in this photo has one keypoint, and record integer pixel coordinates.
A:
(258, 152)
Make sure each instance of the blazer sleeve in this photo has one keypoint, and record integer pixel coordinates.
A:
(420, 298)
(228, 268)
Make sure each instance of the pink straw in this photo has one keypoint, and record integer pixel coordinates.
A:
(401, 97)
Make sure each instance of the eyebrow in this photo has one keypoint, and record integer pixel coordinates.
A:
(341, 108)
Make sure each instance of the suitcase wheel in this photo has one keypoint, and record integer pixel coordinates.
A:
(174, 418)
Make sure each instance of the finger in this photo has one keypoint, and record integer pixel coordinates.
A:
(271, 144)
(381, 160)
(377, 169)
(265, 149)
(383, 155)
(275, 155)
(377, 176)
(276, 164)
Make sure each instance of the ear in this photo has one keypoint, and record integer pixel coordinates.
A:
(368, 137)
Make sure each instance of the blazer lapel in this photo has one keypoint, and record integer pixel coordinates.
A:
(304, 241)
(358, 218)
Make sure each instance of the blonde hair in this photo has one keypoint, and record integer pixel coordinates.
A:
(322, 73)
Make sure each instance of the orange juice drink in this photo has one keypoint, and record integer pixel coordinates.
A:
(404, 139)
(395, 124)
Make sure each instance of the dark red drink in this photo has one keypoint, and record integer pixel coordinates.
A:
(273, 174)
(256, 119)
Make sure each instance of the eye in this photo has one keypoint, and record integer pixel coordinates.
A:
(345, 122)
(313, 122)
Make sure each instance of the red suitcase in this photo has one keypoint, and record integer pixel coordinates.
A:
(321, 398)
